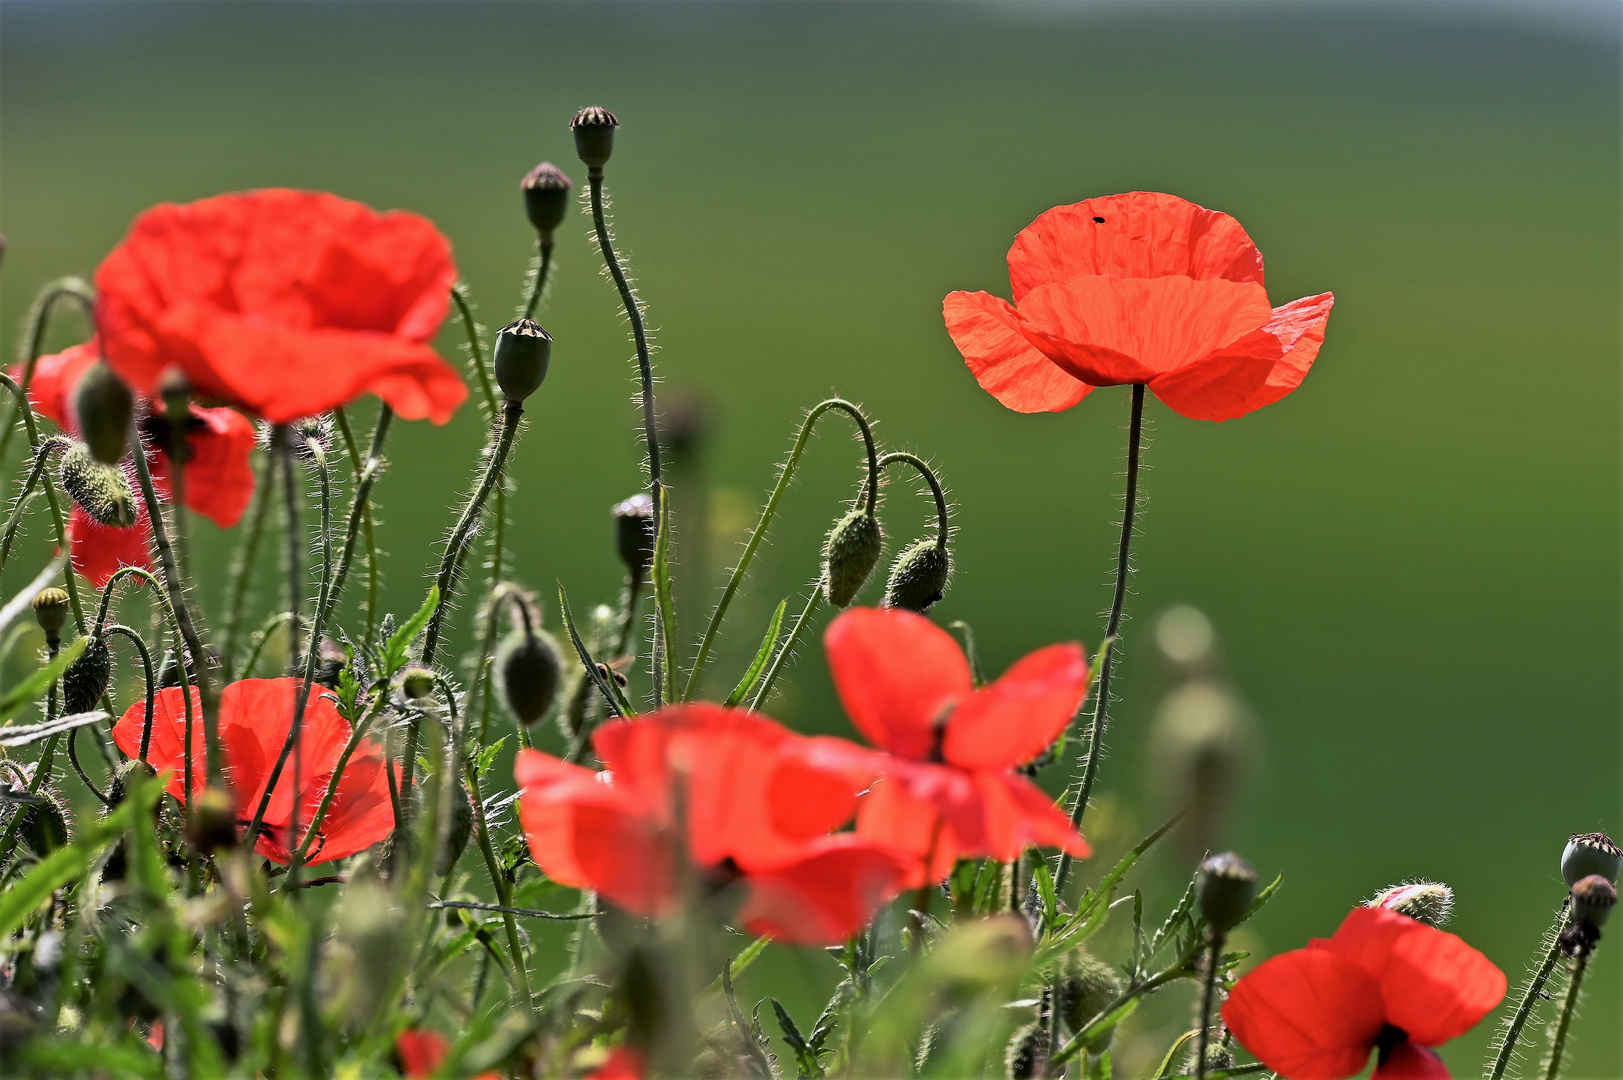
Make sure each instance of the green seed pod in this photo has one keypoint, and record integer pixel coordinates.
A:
(86, 679)
(461, 829)
(43, 825)
(1088, 986)
(634, 533)
(528, 670)
(849, 555)
(1225, 887)
(1429, 902)
(546, 197)
(212, 824)
(100, 490)
(103, 406)
(1591, 853)
(522, 354)
(1593, 898)
(417, 683)
(51, 610)
(919, 576)
(1027, 1051)
(594, 135)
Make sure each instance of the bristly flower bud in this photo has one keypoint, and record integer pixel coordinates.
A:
(521, 357)
(1591, 853)
(1593, 898)
(594, 135)
(1225, 887)
(635, 533)
(43, 825)
(528, 670)
(849, 555)
(103, 406)
(461, 829)
(546, 197)
(125, 777)
(1087, 987)
(417, 683)
(1027, 1053)
(918, 577)
(51, 611)
(86, 679)
(212, 824)
(103, 491)
(1430, 902)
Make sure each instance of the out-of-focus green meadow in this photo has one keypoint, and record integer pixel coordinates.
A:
(1412, 562)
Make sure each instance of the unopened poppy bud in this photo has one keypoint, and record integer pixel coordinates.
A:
(1591, 853)
(86, 679)
(635, 533)
(1027, 1053)
(43, 825)
(849, 555)
(594, 135)
(127, 776)
(1593, 898)
(457, 836)
(528, 670)
(521, 357)
(1225, 887)
(546, 197)
(103, 406)
(212, 824)
(103, 491)
(1088, 986)
(417, 683)
(918, 578)
(51, 611)
(175, 390)
(1218, 1058)
(1430, 902)
(333, 661)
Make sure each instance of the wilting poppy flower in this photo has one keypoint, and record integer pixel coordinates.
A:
(421, 1052)
(948, 787)
(285, 303)
(255, 715)
(1384, 982)
(1137, 288)
(219, 479)
(757, 815)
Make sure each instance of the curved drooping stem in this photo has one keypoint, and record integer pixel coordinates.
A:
(39, 317)
(29, 424)
(1101, 701)
(150, 683)
(922, 467)
(786, 473)
(42, 460)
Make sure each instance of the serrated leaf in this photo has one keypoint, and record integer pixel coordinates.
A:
(1045, 890)
(486, 757)
(664, 604)
(606, 687)
(39, 682)
(791, 1033)
(396, 651)
(1119, 871)
(762, 656)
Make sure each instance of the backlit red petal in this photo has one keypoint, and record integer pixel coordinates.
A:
(55, 376)
(896, 674)
(893, 816)
(1308, 1015)
(1003, 361)
(825, 896)
(1016, 815)
(98, 551)
(1257, 370)
(1019, 715)
(1411, 1062)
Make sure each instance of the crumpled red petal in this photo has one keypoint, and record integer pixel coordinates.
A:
(1007, 366)
(219, 477)
(55, 376)
(1018, 716)
(1309, 1014)
(97, 551)
(896, 673)
(1257, 370)
(825, 896)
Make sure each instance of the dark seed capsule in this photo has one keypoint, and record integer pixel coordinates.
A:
(521, 357)
(1225, 886)
(594, 135)
(528, 670)
(546, 197)
(86, 679)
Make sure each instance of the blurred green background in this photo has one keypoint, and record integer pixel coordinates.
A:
(1412, 562)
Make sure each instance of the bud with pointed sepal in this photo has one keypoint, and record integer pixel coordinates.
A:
(528, 671)
(103, 407)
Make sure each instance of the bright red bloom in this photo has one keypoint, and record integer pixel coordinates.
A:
(219, 479)
(255, 715)
(757, 813)
(97, 551)
(285, 303)
(949, 787)
(421, 1053)
(1384, 982)
(1137, 288)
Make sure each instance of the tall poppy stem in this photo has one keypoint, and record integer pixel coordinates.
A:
(1558, 1044)
(544, 245)
(1532, 994)
(1101, 701)
(1208, 991)
(57, 520)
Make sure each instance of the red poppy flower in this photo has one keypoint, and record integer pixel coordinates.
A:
(949, 787)
(1385, 982)
(219, 479)
(421, 1053)
(1137, 288)
(624, 1063)
(97, 551)
(757, 814)
(255, 715)
(285, 303)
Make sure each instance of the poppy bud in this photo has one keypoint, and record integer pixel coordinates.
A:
(43, 825)
(87, 677)
(546, 197)
(333, 661)
(1218, 1058)
(51, 610)
(1591, 853)
(594, 135)
(1225, 887)
(1592, 900)
(417, 683)
(634, 534)
(1429, 902)
(849, 556)
(523, 352)
(1088, 986)
(125, 777)
(528, 669)
(103, 405)
(461, 829)
(212, 824)
(100, 490)
(1028, 1051)
(918, 578)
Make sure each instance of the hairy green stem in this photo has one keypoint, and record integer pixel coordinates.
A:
(57, 519)
(544, 244)
(1532, 994)
(64, 288)
(1214, 951)
(42, 460)
(1569, 1008)
(150, 681)
(922, 467)
(359, 514)
(801, 622)
(504, 893)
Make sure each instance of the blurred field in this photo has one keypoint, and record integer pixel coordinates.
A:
(1413, 562)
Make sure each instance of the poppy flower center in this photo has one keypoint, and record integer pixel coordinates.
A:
(1390, 1038)
(938, 732)
(156, 432)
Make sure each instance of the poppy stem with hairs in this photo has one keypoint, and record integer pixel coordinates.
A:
(922, 467)
(544, 245)
(801, 622)
(1532, 994)
(57, 520)
(1101, 701)
(599, 704)
(150, 683)
(281, 440)
(242, 565)
(359, 507)
(65, 288)
(1558, 1043)
(1214, 950)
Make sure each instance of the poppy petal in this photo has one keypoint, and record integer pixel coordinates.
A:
(1408, 1061)
(1107, 330)
(1019, 715)
(624, 1063)
(1142, 234)
(51, 389)
(826, 896)
(1007, 366)
(1257, 370)
(219, 477)
(1308, 1014)
(893, 816)
(98, 551)
(1016, 814)
(420, 1052)
(896, 673)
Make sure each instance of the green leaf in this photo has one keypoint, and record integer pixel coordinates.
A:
(664, 605)
(397, 650)
(74, 1054)
(791, 1033)
(486, 758)
(1170, 1062)
(762, 655)
(39, 682)
(1263, 897)
(1168, 928)
(606, 687)
(744, 959)
(1117, 872)
(24, 734)
(1045, 890)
